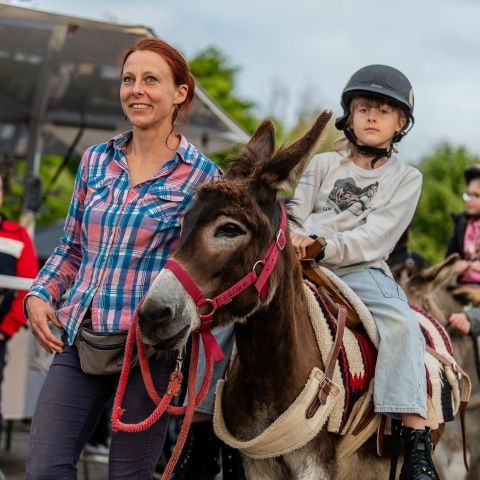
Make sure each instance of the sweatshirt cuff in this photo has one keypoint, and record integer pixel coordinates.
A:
(330, 253)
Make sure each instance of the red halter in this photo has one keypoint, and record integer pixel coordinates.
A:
(259, 280)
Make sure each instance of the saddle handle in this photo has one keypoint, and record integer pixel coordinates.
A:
(315, 248)
(330, 293)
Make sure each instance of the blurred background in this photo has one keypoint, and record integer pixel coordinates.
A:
(59, 81)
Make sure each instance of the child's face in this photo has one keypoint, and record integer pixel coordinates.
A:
(472, 197)
(376, 125)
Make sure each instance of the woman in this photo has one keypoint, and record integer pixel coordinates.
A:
(123, 222)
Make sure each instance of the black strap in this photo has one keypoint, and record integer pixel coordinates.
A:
(376, 153)
(396, 430)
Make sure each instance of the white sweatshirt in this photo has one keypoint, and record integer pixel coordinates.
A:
(361, 213)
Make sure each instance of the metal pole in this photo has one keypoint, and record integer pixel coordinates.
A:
(37, 117)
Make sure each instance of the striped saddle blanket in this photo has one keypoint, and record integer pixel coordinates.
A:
(355, 365)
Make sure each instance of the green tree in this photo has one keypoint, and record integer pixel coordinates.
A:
(305, 121)
(56, 202)
(213, 71)
(217, 77)
(442, 189)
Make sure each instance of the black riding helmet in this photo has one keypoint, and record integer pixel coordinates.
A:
(471, 172)
(379, 81)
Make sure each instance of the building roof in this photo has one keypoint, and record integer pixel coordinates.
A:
(83, 85)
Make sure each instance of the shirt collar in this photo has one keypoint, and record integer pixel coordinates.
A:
(119, 141)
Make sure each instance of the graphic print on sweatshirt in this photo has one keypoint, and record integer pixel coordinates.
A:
(346, 195)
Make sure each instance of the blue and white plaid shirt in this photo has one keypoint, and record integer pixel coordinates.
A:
(116, 238)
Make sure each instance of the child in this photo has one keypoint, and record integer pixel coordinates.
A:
(361, 198)
(466, 236)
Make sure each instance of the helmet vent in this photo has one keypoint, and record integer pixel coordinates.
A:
(377, 83)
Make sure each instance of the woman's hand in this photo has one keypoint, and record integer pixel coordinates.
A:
(460, 323)
(39, 314)
(300, 242)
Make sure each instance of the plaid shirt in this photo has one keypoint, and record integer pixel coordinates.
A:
(116, 238)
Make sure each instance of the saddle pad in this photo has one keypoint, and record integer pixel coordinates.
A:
(356, 363)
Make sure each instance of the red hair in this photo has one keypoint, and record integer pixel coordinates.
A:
(175, 60)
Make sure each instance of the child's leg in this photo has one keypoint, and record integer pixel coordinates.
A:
(400, 379)
(199, 458)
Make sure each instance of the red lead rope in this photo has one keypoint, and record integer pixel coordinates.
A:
(163, 402)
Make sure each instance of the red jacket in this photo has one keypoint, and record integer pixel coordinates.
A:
(18, 258)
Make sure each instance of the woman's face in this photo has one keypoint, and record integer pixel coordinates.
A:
(472, 197)
(148, 93)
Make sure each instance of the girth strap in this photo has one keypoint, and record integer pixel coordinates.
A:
(326, 385)
(464, 394)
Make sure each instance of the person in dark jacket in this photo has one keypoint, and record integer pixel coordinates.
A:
(466, 242)
(466, 235)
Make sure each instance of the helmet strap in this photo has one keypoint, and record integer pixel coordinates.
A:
(376, 153)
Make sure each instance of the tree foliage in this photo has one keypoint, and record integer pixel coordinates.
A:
(443, 184)
(56, 202)
(213, 72)
(217, 77)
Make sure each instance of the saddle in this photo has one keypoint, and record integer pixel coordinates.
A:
(330, 292)
(449, 386)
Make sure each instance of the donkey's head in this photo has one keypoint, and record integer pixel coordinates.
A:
(228, 230)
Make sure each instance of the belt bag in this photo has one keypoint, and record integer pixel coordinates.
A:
(101, 353)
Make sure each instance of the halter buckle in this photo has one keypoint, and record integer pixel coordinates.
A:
(180, 359)
(281, 239)
(258, 262)
(209, 304)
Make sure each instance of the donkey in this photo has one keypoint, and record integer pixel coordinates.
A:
(433, 289)
(228, 229)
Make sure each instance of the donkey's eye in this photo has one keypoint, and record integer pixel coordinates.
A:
(229, 230)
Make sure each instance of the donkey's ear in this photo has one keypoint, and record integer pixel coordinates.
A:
(286, 167)
(259, 148)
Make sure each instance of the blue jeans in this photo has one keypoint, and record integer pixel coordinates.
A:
(400, 377)
(68, 410)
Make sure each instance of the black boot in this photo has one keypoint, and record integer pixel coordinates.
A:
(417, 463)
(232, 465)
(199, 458)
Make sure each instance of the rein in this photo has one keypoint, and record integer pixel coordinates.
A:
(163, 402)
(213, 351)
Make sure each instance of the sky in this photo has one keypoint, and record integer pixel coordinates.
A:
(297, 54)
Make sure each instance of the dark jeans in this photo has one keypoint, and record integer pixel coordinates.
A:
(68, 410)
